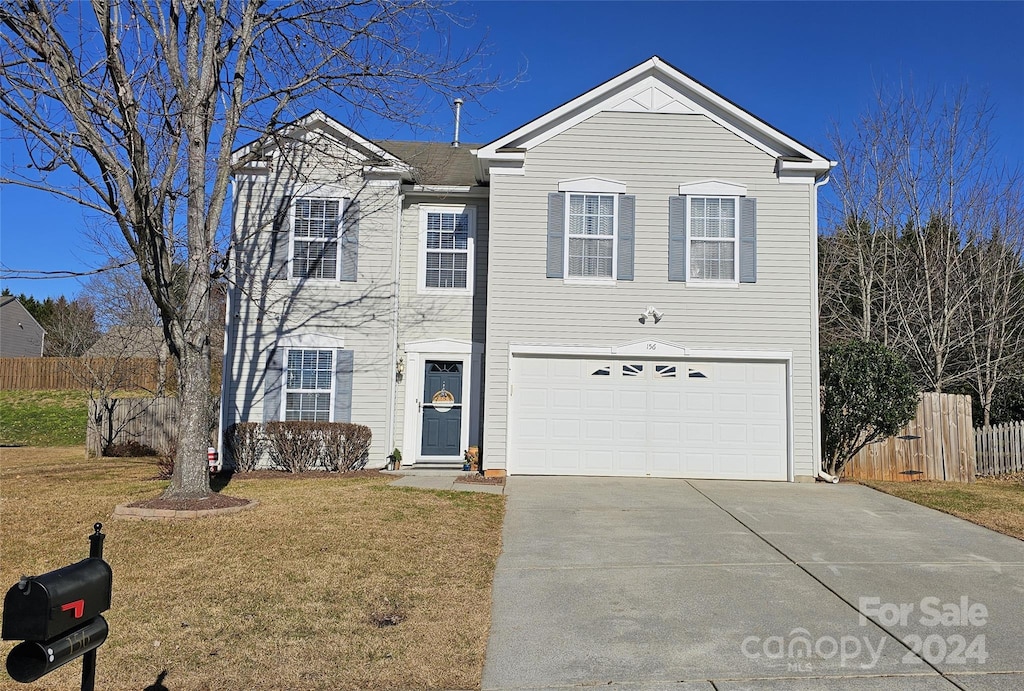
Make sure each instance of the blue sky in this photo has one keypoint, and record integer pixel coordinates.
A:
(800, 66)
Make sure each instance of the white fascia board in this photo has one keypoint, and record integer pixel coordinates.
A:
(592, 184)
(802, 172)
(446, 190)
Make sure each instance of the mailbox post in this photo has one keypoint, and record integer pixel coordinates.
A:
(57, 616)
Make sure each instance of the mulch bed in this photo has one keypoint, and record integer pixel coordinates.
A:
(477, 479)
(214, 501)
(308, 475)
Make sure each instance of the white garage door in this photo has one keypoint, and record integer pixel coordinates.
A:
(638, 417)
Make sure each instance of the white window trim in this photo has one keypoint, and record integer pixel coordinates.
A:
(421, 281)
(691, 280)
(592, 185)
(285, 390)
(592, 280)
(315, 191)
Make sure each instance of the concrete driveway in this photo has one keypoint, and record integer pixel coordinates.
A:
(675, 584)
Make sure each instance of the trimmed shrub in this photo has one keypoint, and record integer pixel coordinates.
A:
(129, 449)
(165, 460)
(867, 394)
(246, 443)
(298, 447)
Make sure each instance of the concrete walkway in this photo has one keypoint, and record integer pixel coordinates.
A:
(440, 479)
(673, 584)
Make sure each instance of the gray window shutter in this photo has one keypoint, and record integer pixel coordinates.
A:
(350, 241)
(280, 240)
(677, 238)
(273, 385)
(343, 367)
(556, 235)
(627, 226)
(748, 240)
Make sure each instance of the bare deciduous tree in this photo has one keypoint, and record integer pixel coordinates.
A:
(144, 100)
(920, 211)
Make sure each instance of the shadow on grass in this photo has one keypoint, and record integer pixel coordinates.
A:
(221, 480)
(158, 685)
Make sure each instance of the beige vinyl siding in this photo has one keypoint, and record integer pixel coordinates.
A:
(360, 312)
(435, 316)
(652, 154)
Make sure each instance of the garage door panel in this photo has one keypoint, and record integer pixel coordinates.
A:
(667, 432)
(632, 462)
(766, 404)
(632, 402)
(731, 403)
(732, 434)
(648, 418)
(566, 399)
(698, 432)
(768, 435)
(697, 402)
(566, 429)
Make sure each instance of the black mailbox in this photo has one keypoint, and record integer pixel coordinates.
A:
(40, 608)
(31, 660)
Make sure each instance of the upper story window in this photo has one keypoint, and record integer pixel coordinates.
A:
(591, 234)
(309, 385)
(315, 230)
(712, 234)
(712, 239)
(447, 236)
(591, 231)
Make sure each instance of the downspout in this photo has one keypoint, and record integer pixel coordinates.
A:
(228, 323)
(392, 373)
(816, 376)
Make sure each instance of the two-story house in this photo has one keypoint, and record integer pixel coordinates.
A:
(625, 286)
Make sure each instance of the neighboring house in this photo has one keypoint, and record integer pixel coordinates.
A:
(130, 342)
(626, 285)
(20, 334)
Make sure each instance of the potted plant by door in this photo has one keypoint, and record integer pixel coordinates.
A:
(395, 460)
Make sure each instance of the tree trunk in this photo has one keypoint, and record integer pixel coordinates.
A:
(191, 477)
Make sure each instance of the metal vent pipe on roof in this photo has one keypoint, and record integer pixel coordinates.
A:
(458, 114)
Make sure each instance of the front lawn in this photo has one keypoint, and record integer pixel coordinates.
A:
(993, 503)
(284, 596)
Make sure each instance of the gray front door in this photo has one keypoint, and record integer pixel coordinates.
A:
(442, 408)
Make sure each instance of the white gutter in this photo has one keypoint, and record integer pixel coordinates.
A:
(397, 258)
(815, 345)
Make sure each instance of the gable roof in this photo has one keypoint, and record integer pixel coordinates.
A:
(654, 86)
(319, 121)
(130, 341)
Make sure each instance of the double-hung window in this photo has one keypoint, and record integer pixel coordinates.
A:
(316, 223)
(712, 239)
(591, 229)
(447, 236)
(309, 384)
(712, 234)
(591, 234)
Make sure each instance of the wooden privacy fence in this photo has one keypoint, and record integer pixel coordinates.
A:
(1000, 449)
(50, 373)
(149, 421)
(938, 444)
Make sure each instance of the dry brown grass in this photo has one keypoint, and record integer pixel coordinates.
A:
(279, 597)
(992, 502)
